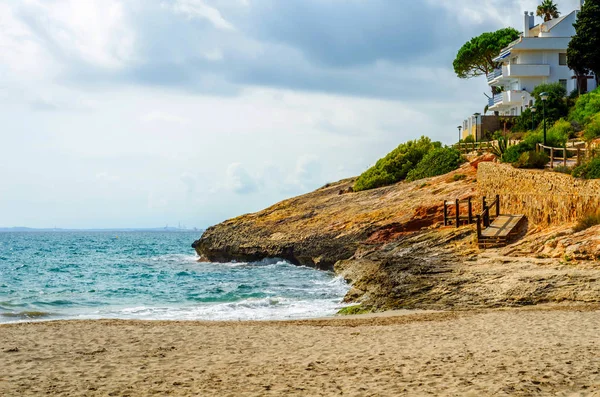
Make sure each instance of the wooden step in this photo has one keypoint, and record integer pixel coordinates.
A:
(500, 231)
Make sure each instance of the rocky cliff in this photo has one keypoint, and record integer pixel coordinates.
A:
(390, 244)
(320, 228)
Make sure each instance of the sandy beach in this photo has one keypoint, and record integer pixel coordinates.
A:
(515, 352)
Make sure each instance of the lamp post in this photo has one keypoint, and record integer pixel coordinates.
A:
(533, 109)
(544, 97)
(459, 135)
(476, 117)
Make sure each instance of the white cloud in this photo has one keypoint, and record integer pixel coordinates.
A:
(95, 32)
(198, 9)
(239, 181)
(189, 181)
(21, 54)
(143, 153)
(214, 55)
(162, 117)
(106, 177)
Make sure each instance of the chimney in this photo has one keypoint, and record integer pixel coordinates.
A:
(532, 20)
(526, 24)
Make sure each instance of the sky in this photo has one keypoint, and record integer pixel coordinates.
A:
(146, 113)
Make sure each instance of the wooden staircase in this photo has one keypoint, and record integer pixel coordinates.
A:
(500, 232)
(493, 230)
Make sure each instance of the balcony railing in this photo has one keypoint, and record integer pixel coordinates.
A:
(494, 74)
(498, 98)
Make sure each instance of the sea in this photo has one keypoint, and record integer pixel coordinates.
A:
(150, 276)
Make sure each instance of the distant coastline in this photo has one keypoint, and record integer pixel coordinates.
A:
(154, 229)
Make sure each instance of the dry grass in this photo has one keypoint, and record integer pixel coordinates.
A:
(587, 221)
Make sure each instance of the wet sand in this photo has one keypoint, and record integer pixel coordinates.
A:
(481, 353)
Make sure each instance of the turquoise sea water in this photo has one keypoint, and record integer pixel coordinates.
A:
(149, 275)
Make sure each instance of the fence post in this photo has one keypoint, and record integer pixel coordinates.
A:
(578, 156)
(497, 205)
(457, 214)
(470, 211)
(485, 214)
(551, 157)
(445, 214)
(565, 156)
(478, 228)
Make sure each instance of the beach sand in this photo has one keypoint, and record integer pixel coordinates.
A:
(483, 353)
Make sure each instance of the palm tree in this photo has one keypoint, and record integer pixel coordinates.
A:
(547, 10)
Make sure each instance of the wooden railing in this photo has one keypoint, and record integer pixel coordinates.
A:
(484, 217)
(562, 154)
(458, 218)
(465, 147)
(468, 218)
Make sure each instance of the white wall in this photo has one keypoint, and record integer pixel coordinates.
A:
(563, 29)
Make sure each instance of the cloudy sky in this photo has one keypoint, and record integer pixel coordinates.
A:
(142, 113)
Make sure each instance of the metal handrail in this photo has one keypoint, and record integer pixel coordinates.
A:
(494, 74)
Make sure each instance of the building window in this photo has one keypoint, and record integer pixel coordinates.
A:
(563, 82)
(562, 59)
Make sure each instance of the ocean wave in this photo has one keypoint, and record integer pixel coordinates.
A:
(153, 276)
(26, 315)
(271, 308)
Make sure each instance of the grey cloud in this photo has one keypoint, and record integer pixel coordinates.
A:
(43, 105)
(239, 180)
(341, 33)
(361, 48)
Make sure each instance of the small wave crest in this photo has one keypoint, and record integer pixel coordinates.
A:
(271, 308)
(25, 315)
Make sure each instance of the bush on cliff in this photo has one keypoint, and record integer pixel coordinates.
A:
(532, 159)
(512, 153)
(556, 136)
(396, 165)
(592, 129)
(588, 170)
(586, 107)
(437, 162)
(587, 221)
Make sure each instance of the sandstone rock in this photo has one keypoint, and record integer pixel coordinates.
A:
(388, 243)
(488, 157)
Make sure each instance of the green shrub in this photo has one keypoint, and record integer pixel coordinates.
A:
(588, 170)
(587, 221)
(523, 122)
(396, 165)
(469, 139)
(556, 104)
(563, 169)
(592, 130)
(586, 107)
(562, 128)
(437, 162)
(556, 136)
(458, 177)
(532, 159)
(512, 153)
(352, 310)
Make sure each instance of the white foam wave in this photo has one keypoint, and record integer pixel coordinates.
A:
(174, 258)
(274, 308)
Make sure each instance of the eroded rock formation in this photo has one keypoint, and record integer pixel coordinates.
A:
(390, 245)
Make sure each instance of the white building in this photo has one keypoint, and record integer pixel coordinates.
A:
(539, 56)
